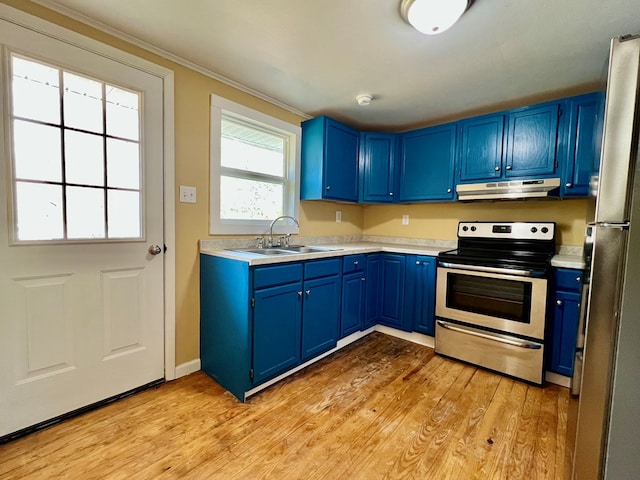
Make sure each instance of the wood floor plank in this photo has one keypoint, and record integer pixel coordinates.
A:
(381, 407)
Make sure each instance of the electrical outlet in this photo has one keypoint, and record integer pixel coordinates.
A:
(338, 216)
(187, 194)
(405, 219)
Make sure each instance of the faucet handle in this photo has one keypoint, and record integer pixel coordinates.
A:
(259, 242)
(286, 239)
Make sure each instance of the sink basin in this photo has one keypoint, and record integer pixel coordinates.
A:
(264, 251)
(291, 250)
(307, 249)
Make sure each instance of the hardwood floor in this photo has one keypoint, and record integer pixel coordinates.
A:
(379, 408)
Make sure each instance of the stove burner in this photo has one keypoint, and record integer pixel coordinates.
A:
(509, 245)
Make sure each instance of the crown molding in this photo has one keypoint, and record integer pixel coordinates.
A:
(75, 15)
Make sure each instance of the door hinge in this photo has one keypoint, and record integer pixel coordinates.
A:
(560, 112)
(253, 302)
(555, 164)
(251, 374)
(165, 248)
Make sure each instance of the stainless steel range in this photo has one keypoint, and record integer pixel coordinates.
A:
(491, 296)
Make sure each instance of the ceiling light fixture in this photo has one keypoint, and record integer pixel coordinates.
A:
(433, 16)
(364, 99)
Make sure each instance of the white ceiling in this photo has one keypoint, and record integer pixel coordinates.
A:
(317, 55)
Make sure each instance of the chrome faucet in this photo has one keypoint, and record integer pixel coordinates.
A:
(274, 221)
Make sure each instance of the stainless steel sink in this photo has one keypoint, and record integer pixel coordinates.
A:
(291, 250)
(307, 249)
(264, 251)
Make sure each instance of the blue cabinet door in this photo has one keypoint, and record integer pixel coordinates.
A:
(427, 163)
(566, 316)
(378, 160)
(373, 290)
(276, 330)
(582, 157)
(393, 278)
(420, 294)
(329, 163)
(353, 303)
(532, 139)
(480, 148)
(320, 315)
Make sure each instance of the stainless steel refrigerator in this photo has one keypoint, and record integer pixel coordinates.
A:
(608, 419)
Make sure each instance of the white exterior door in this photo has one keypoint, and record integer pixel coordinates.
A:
(81, 203)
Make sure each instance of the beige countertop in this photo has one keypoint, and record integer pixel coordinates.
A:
(352, 248)
(337, 250)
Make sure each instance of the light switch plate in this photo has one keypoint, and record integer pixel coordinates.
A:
(338, 216)
(187, 194)
(405, 219)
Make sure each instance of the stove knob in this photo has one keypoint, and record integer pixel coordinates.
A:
(465, 228)
(534, 229)
(473, 229)
(544, 229)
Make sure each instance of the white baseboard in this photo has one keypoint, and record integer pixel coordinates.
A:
(187, 368)
(557, 379)
(414, 337)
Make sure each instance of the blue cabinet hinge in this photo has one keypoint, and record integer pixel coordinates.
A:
(251, 374)
(253, 302)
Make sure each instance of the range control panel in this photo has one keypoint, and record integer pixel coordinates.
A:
(510, 230)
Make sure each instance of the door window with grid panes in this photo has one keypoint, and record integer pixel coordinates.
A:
(76, 155)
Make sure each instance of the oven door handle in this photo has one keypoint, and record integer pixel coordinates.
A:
(478, 268)
(488, 336)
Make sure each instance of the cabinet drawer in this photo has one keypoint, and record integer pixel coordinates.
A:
(322, 268)
(568, 279)
(353, 263)
(277, 275)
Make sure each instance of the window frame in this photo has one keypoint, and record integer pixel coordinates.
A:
(217, 226)
(12, 218)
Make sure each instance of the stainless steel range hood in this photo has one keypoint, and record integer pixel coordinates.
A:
(510, 190)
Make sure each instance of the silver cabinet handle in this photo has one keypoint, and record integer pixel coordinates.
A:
(558, 302)
(497, 169)
(448, 190)
(300, 293)
(568, 185)
(496, 338)
(508, 167)
(363, 279)
(391, 193)
(154, 249)
(355, 262)
(578, 279)
(418, 262)
(328, 187)
(308, 292)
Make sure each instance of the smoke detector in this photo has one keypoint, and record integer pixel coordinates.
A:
(364, 99)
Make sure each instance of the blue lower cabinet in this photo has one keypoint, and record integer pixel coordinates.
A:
(320, 315)
(276, 330)
(353, 303)
(392, 305)
(373, 290)
(563, 318)
(420, 294)
(259, 322)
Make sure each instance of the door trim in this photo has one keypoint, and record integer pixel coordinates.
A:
(39, 25)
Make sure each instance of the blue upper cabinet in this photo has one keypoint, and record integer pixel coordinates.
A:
(582, 147)
(377, 156)
(330, 164)
(427, 163)
(531, 141)
(480, 148)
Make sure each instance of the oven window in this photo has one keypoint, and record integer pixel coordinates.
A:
(494, 297)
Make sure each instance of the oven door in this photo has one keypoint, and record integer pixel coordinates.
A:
(492, 298)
